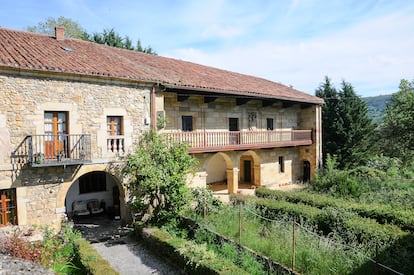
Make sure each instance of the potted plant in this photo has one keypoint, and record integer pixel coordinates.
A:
(39, 158)
(60, 155)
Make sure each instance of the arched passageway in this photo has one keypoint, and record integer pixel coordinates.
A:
(221, 176)
(93, 192)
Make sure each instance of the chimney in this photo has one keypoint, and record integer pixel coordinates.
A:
(60, 32)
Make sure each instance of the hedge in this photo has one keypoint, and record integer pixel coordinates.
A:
(330, 219)
(192, 258)
(384, 214)
(91, 260)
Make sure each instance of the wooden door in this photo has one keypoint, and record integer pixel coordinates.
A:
(56, 140)
(8, 208)
(234, 127)
(247, 171)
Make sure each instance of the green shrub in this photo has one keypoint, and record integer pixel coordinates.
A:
(205, 200)
(383, 213)
(347, 224)
(91, 260)
(192, 257)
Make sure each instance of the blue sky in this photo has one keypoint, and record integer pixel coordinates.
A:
(295, 42)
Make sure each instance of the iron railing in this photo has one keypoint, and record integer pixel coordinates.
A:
(53, 150)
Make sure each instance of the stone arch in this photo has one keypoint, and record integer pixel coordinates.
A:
(85, 169)
(249, 166)
(220, 168)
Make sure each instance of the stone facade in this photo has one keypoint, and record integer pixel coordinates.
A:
(265, 164)
(41, 191)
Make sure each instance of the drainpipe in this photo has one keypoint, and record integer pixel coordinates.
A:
(153, 111)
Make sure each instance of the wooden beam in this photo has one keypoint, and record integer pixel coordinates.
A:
(208, 99)
(242, 101)
(266, 102)
(181, 98)
(287, 104)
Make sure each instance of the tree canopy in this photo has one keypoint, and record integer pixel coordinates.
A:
(158, 173)
(74, 30)
(346, 127)
(398, 128)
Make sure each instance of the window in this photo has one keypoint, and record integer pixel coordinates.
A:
(115, 132)
(281, 164)
(92, 182)
(233, 124)
(56, 129)
(269, 123)
(8, 207)
(187, 123)
(114, 126)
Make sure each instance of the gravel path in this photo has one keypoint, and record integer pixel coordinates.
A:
(13, 266)
(124, 253)
(130, 257)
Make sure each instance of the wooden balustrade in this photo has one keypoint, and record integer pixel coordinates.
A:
(206, 141)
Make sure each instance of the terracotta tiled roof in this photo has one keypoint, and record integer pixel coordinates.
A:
(37, 52)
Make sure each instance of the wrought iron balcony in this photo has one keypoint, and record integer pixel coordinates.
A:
(215, 141)
(53, 150)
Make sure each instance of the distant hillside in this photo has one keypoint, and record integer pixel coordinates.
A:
(376, 107)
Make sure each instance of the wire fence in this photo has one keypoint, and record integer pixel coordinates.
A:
(242, 215)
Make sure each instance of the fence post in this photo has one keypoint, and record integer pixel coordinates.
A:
(376, 259)
(204, 207)
(240, 221)
(293, 245)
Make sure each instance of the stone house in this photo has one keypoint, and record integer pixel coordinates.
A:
(71, 111)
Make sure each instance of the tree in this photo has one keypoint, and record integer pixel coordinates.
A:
(346, 126)
(72, 28)
(398, 127)
(158, 173)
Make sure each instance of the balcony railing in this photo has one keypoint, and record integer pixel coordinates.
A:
(115, 144)
(53, 150)
(211, 141)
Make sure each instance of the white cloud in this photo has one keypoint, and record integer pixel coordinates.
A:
(372, 55)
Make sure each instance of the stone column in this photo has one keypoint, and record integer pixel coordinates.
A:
(232, 180)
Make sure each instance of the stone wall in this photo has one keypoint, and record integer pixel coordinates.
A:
(23, 102)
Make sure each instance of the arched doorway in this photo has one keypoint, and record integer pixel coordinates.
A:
(250, 169)
(91, 194)
(219, 169)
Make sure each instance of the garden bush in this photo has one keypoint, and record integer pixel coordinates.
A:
(382, 213)
(349, 225)
(91, 260)
(191, 257)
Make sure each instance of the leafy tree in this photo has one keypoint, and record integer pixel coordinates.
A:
(72, 28)
(158, 173)
(398, 128)
(346, 126)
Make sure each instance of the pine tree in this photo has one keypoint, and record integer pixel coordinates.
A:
(398, 128)
(346, 127)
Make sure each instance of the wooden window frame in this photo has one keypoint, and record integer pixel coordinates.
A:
(281, 163)
(111, 122)
(187, 123)
(270, 122)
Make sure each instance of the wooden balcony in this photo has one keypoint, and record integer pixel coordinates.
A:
(215, 141)
(53, 150)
